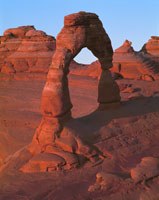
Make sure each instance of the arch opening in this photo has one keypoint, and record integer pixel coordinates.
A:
(82, 88)
(53, 136)
(85, 57)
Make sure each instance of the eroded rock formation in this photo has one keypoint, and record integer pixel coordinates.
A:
(56, 145)
(25, 51)
(136, 65)
(128, 63)
(152, 46)
(146, 169)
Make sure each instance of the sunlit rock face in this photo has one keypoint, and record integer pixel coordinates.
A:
(136, 65)
(25, 50)
(127, 63)
(56, 143)
(152, 46)
(80, 30)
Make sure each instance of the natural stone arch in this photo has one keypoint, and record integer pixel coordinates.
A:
(80, 30)
(54, 145)
(84, 57)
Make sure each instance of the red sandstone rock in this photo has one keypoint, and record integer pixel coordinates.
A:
(8, 68)
(135, 133)
(44, 162)
(147, 168)
(34, 33)
(147, 77)
(131, 64)
(93, 70)
(52, 137)
(18, 32)
(28, 46)
(69, 42)
(135, 95)
(152, 46)
(126, 64)
(125, 48)
(105, 181)
(27, 49)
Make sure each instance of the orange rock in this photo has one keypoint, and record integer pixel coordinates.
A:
(18, 32)
(152, 46)
(52, 138)
(147, 77)
(27, 49)
(147, 168)
(43, 162)
(8, 68)
(105, 181)
(127, 63)
(132, 64)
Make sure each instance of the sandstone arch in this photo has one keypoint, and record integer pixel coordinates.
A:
(55, 145)
(80, 30)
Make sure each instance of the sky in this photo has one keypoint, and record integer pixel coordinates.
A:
(135, 20)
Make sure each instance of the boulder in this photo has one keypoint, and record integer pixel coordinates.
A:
(105, 181)
(18, 32)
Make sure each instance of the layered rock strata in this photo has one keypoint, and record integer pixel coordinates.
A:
(127, 63)
(25, 51)
(135, 65)
(152, 46)
(56, 145)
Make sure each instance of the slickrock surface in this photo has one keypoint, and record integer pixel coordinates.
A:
(125, 135)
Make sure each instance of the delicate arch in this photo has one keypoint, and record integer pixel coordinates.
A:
(55, 145)
(80, 30)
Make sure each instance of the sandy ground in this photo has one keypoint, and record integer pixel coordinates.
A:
(125, 134)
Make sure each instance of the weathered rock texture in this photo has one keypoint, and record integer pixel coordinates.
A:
(92, 70)
(146, 169)
(55, 145)
(129, 63)
(105, 181)
(133, 64)
(25, 51)
(152, 46)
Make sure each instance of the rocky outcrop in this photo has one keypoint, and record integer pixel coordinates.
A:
(25, 50)
(92, 70)
(146, 169)
(105, 181)
(27, 53)
(55, 144)
(125, 48)
(152, 46)
(136, 65)
(127, 63)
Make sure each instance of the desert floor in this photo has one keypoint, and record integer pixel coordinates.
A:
(125, 134)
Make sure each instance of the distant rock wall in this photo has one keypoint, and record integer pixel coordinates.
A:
(135, 65)
(25, 50)
(128, 63)
(152, 46)
(27, 53)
